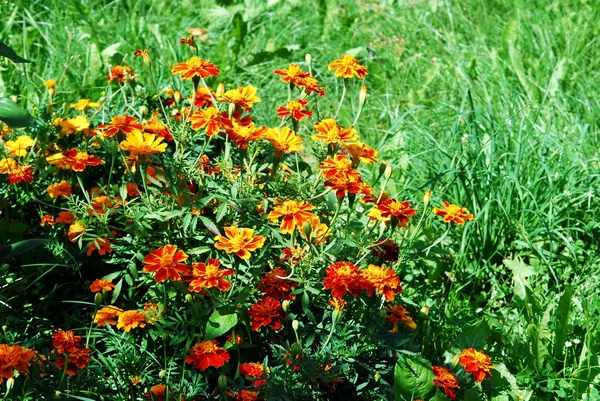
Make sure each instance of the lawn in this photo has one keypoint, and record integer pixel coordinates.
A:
(489, 105)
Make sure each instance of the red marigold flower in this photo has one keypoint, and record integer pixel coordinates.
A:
(343, 277)
(392, 210)
(476, 363)
(294, 213)
(62, 188)
(120, 74)
(293, 74)
(167, 263)
(14, 358)
(453, 213)
(254, 370)
(207, 353)
(102, 245)
(294, 108)
(132, 189)
(204, 96)
(267, 312)
(239, 241)
(445, 379)
(242, 97)
(211, 119)
(396, 314)
(107, 315)
(195, 67)
(339, 167)
(74, 160)
(120, 125)
(246, 395)
(331, 133)
(349, 184)
(209, 275)
(47, 219)
(347, 66)
(276, 285)
(100, 285)
(382, 279)
(20, 173)
(131, 319)
(65, 217)
(66, 342)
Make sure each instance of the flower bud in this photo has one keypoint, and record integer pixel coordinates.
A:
(162, 374)
(307, 229)
(296, 349)
(308, 59)
(362, 96)
(14, 98)
(424, 312)
(222, 380)
(455, 360)
(188, 298)
(98, 299)
(387, 173)
(427, 198)
(10, 383)
(220, 89)
(231, 109)
(285, 305)
(295, 324)
(377, 377)
(177, 96)
(143, 110)
(57, 394)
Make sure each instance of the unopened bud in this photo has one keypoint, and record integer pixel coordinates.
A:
(14, 98)
(387, 173)
(424, 312)
(162, 374)
(231, 109)
(362, 97)
(177, 96)
(98, 299)
(220, 89)
(336, 315)
(455, 360)
(143, 110)
(188, 298)
(296, 349)
(295, 324)
(10, 383)
(307, 229)
(427, 198)
(222, 380)
(377, 377)
(285, 305)
(308, 59)
(57, 394)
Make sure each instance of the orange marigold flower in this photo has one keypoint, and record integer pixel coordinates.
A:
(294, 108)
(331, 133)
(47, 219)
(107, 315)
(157, 393)
(254, 370)
(66, 342)
(398, 314)
(206, 354)
(239, 241)
(143, 144)
(276, 285)
(74, 160)
(211, 119)
(135, 381)
(445, 379)
(382, 279)
(347, 66)
(120, 125)
(167, 263)
(284, 140)
(145, 56)
(339, 167)
(294, 213)
(343, 277)
(360, 152)
(338, 303)
(62, 188)
(311, 85)
(209, 275)
(19, 174)
(130, 320)
(240, 135)
(246, 395)
(451, 212)
(195, 67)
(84, 105)
(65, 217)
(50, 84)
(76, 230)
(242, 97)
(14, 358)
(19, 146)
(189, 41)
(120, 74)
(267, 312)
(349, 184)
(101, 285)
(132, 189)
(293, 74)
(392, 210)
(98, 204)
(204, 96)
(476, 363)
(157, 128)
(102, 245)
(71, 125)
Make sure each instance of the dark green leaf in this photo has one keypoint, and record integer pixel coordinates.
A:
(13, 115)
(562, 319)
(219, 324)
(9, 53)
(413, 379)
(21, 247)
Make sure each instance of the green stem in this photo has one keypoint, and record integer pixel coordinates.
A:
(341, 100)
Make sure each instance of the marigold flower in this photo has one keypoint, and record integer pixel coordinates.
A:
(338, 303)
(131, 319)
(240, 135)
(157, 393)
(61, 188)
(210, 118)
(120, 125)
(66, 342)
(102, 245)
(254, 370)
(209, 275)
(84, 105)
(242, 97)
(246, 395)
(101, 285)
(65, 217)
(76, 230)
(145, 56)
(195, 67)
(477, 363)
(331, 133)
(19, 146)
(74, 160)
(294, 213)
(204, 96)
(239, 241)
(206, 354)
(339, 167)
(347, 66)
(167, 263)
(98, 204)
(120, 74)
(157, 128)
(267, 312)
(311, 85)
(50, 84)
(445, 379)
(135, 381)
(284, 140)
(293, 74)
(7, 165)
(47, 219)
(360, 152)
(342, 185)
(14, 358)
(275, 284)
(392, 210)
(343, 277)
(398, 314)
(107, 315)
(382, 279)
(143, 144)
(294, 108)
(19, 174)
(453, 213)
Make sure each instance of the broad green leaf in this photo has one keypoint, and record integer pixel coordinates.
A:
(219, 324)
(542, 338)
(475, 336)
(13, 115)
(10, 54)
(21, 247)
(413, 379)
(585, 374)
(562, 322)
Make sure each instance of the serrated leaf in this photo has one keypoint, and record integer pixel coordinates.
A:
(10, 54)
(413, 378)
(219, 324)
(209, 225)
(13, 115)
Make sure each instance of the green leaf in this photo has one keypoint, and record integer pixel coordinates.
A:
(219, 324)
(562, 319)
(585, 374)
(475, 336)
(542, 338)
(116, 291)
(13, 115)
(209, 225)
(9, 53)
(21, 247)
(413, 378)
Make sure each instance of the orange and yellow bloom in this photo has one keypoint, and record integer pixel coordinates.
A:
(398, 314)
(242, 97)
(347, 66)
(120, 74)
(206, 354)
(453, 213)
(445, 379)
(61, 188)
(331, 133)
(284, 140)
(293, 213)
(382, 280)
(195, 67)
(209, 275)
(107, 315)
(240, 241)
(343, 277)
(143, 144)
(14, 358)
(167, 263)
(294, 108)
(120, 125)
(101, 285)
(266, 313)
(131, 319)
(19, 146)
(477, 363)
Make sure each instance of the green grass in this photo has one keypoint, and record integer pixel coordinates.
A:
(490, 104)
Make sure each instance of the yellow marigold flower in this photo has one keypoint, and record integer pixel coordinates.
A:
(135, 381)
(130, 320)
(107, 315)
(284, 140)
(294, 214)
(331, 133)
(195, 67)
(211, 119)
(347, 66)
(7, 165)
(19, 146)
(71, 125)
(239, 241)
(382, 279)
(143, 144)
(293, 74)
(360, 152)
(242, 97)
(62, 188)
(453, 213)
(84, 105)
(50, 83)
